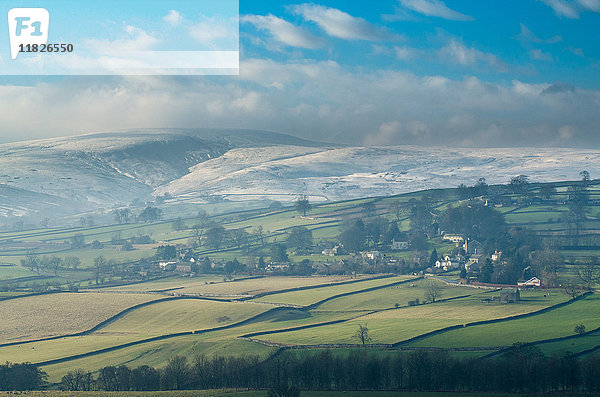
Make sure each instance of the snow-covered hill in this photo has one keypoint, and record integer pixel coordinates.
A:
(69, 175)
(343, 173)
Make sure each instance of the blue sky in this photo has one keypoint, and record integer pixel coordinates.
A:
(498, 40)
(389, 72)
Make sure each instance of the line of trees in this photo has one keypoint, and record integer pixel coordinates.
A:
(523, 369)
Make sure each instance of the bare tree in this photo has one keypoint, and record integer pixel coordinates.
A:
(433, 291)
(397, 209)
(362, 334)
(589, 273)
(571, 290)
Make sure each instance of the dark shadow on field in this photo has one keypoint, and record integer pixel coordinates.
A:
(275, 316)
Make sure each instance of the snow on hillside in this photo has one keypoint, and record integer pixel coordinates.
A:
(88, 172)
(283, 172)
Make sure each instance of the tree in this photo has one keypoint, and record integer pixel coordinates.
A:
(481, 187)
(54, 264)
(303, 205)
(300, 238)
(278, 253)
(579, 329)
(122, 216)
(178, 224)
(99, 265)
(259, 235)
(578, 203)
(432, 291)
(151, 214)
(398, 209)
(78, 241)
(176, 374)
(571, 290)
(485, 274)
(214, 236)
(519, 184)
(240, 237)
(585, 178)
(547, 191)
(588, 273)
(353, 234)
(362, 334)
(421, 215)
(369, 209)
(166, 252)
(433, 258)
(78, 380)
(32, 261)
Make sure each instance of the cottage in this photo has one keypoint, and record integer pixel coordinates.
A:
(167, 266)
(455, 238)
(446, 265)
(496, 256)
(532, 282)
(399, 245)
(183, 268)
(331, 251)
(372, 255)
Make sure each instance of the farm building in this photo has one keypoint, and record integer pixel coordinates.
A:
(510, 295)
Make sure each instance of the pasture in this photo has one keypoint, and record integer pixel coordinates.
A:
(43, 316)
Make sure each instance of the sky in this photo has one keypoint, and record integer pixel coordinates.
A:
(473, 73)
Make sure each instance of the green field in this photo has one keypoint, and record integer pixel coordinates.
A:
(554, 324)
(306, 298)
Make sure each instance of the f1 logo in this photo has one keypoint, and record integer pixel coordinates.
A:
(27, 26)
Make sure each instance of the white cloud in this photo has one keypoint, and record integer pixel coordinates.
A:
(575, 51)
(539, 55)
(342, 25)
(316, 100)
(135, 39)
(283, 31)
(173, 18)
(571, 9)
(455, 51)
(208, 30)
(434, 8)
(528, 36)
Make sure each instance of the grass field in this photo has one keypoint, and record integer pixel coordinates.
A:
(392, 326)
(387, 298)
(214, 286)
(305, 298)
(182, 315)
(554, 324)
(59, 314)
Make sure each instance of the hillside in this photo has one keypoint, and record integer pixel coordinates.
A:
(82, 173)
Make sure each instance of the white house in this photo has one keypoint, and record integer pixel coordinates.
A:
(446, 265)
(331, 251)
(496, 255)
(532, 282)
(372, 255)
(399, 245)
(455, 238)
